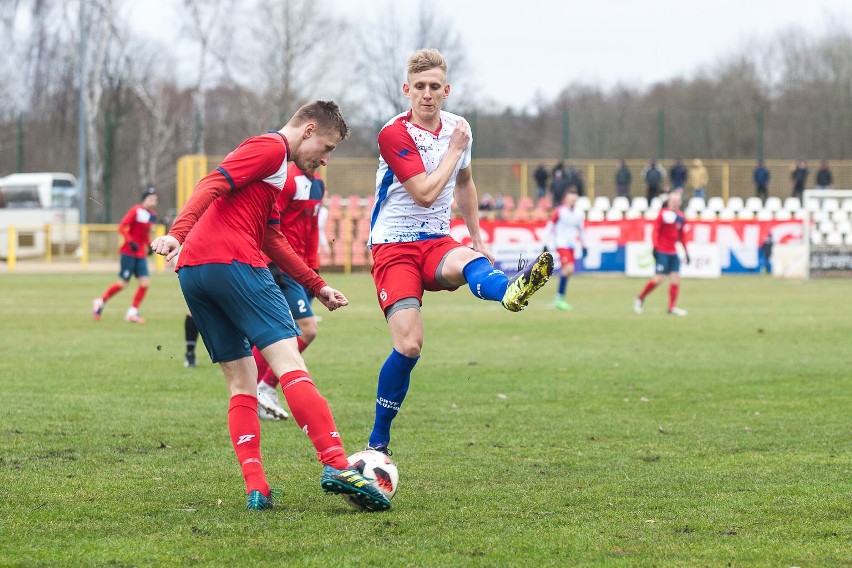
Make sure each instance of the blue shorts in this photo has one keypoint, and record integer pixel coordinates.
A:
(235, 306)
(298, 298)
(667, 263)
(132, 266)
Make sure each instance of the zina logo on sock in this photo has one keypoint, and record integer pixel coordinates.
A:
(245, 438)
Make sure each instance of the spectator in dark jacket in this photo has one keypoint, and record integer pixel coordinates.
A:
(761, 180)
(799, 178)
(623, 179)
(824, 179)
(678, 174)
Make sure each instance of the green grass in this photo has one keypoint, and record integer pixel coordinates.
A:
(589, 438)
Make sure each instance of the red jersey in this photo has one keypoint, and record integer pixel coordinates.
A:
(231, 214)
(298, 205)
(668, 230)
(135, 227)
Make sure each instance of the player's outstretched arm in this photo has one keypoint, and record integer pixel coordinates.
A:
(331, 298)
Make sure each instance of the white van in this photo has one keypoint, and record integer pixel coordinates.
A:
(29, 202)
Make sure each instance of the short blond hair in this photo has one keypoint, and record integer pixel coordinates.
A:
(425, 59)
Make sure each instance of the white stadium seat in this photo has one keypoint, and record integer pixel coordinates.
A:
(783, 215)
(847, 205)
(800, 214)
(847, 239)
(696, 204)
(595, 215)
(614, 214)
(834, 239)
(651, 214)
(764, 215)
(792, 204)
(656, 203)
(753, 204)
(735, 203)
(773, 203)
(727, 215)
(825, 227)
(745, 214)
(817, 216)
(601, 202)
(844, 227)
(816, 238)
(691, 214)
(641, 203)
(812, 204)
(839, 216)
(830, 204)
(621, 203)
(716, 203)
(707, 215)
(631, 214)
(583, 203)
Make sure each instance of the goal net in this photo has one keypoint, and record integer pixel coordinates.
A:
(827, 232)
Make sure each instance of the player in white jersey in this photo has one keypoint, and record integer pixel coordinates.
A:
(565, 232)
(424, 164)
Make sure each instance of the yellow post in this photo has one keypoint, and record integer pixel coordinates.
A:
(524, 173)
(160, 261)
(84, 245)
(726, 181)
(10, 256)
(48, 243)
(591, 183)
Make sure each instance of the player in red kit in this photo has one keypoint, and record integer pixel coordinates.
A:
(135, 228)
(668, 230)
(299, 206)
(229, 219)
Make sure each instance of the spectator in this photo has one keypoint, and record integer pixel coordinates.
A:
(560, 167)
(824, 179)
(623, 179)
(761, 180)
(487, 203)
(678, 174)
(558, 187)
(541, 176)
(698, 178)
(654, 174)
(799, 178)
(575, 180)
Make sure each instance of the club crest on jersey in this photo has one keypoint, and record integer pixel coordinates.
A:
(383, 295)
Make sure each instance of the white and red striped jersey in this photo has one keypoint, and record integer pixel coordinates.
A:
(565, 228)
(406, 150)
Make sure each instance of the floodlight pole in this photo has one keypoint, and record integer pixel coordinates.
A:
(82, 173)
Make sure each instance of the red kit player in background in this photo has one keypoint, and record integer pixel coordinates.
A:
(668, 230)
(135, 227)
(299, 206)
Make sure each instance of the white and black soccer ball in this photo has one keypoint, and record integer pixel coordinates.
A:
(378, 467)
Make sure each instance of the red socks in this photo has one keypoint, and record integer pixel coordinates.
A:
(244, 426)
(140, 295)
(311, 412)
(264, 371)
(114, 289)
(302, 345)
(647, 290)
(673, 291)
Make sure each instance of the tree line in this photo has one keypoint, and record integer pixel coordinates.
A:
(232, 74)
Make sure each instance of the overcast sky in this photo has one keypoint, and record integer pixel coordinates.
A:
(521, 49)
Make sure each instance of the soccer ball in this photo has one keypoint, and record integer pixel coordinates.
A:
(377, 466)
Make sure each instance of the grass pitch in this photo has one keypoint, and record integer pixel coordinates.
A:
(589, 438)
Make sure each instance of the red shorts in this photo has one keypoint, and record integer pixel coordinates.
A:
(566, 255)
(405, 270)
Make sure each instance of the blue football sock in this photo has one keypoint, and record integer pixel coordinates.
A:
(484, 280)
(394, 378)
(563, 285)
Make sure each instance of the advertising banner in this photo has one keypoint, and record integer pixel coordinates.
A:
(737, 243)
